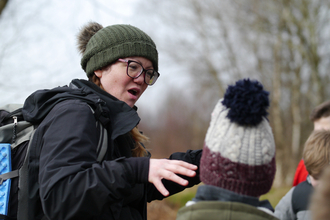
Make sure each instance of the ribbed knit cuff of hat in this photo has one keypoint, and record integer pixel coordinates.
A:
(244, 179)
(110, 55)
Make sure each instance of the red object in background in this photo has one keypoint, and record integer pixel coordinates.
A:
(301, 173)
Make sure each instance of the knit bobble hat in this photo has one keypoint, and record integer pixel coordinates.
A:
(239, 147)
(117, 41)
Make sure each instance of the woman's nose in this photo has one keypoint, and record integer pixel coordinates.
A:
(140, 79)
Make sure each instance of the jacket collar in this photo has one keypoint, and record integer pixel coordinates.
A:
(123, 118)
(213, 193)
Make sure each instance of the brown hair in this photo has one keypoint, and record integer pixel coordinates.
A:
(320, 111)
(316, 152)
(320, 201)
(138, 137)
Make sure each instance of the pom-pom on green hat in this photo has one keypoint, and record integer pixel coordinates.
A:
(114, 42)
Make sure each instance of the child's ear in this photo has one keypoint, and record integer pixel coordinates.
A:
(314, 182)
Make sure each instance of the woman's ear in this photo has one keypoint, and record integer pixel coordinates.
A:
(98, 73)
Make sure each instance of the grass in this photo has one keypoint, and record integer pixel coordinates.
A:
(276, 194)
(180, 199)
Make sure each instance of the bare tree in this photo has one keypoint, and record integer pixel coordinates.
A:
(282, 43)
(38, 44)
(294, 33)
(3, 4)
(179, 126)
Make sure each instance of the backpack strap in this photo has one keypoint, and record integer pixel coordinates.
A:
(301, 197)
(9, 175)
(103, 144)
(103, 139)
(23, 211)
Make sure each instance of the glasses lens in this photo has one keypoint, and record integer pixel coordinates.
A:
(151, 77)
(134, 69)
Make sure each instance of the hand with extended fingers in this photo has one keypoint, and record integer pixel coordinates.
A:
(168, 169)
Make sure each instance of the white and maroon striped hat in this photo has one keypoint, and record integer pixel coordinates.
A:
(239, 148)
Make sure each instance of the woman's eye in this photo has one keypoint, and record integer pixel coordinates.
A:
(133, 66)
(150, 74)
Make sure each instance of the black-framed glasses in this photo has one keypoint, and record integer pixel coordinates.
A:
(135, 69)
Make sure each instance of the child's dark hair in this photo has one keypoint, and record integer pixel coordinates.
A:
(320, 111)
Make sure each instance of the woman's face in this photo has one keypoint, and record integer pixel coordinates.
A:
(116, 82)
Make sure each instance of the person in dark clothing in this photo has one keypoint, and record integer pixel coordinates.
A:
(120, 61)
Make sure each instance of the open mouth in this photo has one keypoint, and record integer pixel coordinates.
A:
(133, 92)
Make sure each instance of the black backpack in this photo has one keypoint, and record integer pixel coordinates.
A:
(17, 132)
(301, 195)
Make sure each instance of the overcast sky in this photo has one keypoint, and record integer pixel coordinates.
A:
(38, 44)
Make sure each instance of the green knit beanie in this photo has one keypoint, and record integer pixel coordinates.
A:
(114, 42)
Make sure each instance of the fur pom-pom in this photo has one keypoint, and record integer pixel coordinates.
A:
(247, 102)
(85, 35)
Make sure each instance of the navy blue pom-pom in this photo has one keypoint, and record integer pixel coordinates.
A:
(247, 102)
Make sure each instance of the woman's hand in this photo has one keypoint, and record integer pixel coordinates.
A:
(167, 169)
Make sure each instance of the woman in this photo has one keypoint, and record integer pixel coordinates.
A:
(120, 62)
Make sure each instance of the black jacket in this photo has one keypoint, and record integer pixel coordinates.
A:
(72, 184)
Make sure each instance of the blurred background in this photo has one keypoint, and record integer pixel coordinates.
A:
(203, 47)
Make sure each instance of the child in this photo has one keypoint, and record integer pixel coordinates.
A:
(320, 117)
(238, 160)
(316, 154)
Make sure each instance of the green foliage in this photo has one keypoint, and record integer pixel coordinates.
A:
(275, 194)
(180, 199)
(3, 4)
